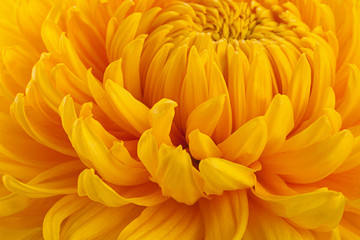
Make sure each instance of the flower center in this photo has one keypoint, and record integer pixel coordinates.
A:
(224, 19)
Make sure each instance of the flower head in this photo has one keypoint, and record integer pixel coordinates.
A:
(194, 119)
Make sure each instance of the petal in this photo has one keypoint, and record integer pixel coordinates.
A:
(169, 220)
(131, 66)
(225, 216)
(320, 210)
(161, 116)
(259, 85)
(92, 186)
(104, 102)
(89, 184)
(87, 140)
(217, 86)
(318, 131)
(125, 33)
(62, 209)
(236, 85)
(279, 119)
(265, 225)
(37, 129)
(114, 72)
(314, 162)
(299, 88)
(55, 181)
(95, 221)
(176, 175)
(147, 152)
(194, 90)
(206, 116)
(247, 143)
(346, 182)
(67, 82)
(202, 146)
(220, 174)
(131, 110)
(349, 105)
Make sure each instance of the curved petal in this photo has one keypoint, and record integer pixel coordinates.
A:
(206, 116)
(280, 121)
(220, 174)
(169, 220)
(97, 190)
(319, 210)
(265, 225)
(226, 216)
(247, 143)
(161, 116)
(314, 162)
(202, 146)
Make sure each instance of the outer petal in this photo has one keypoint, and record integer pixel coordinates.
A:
(265, 225)
(319, 210)
(312, 163)
(97, 190)
(225, 216)
(169, 220)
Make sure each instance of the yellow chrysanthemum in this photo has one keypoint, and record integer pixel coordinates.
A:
(194, 119)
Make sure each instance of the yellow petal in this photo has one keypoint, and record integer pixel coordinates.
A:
(280, 121)
(280, 61)
(62, 209)
(12, 204)
(114, 72)
(104, 102)
(131, 110)
(169, 220)
(314, 162)
(176, 175)
(265, 225)
(316, 132)
(353, 160)
(55, 181)
(201, 146)
(259, 86)
(157, 64)
(222, 175)
(92, 186)
(206, 116)
(217, 86)
(299, 88)
(236, 85)
(147, 152)
(37, 130)
(247, 143)
(72, 60)
(95, 221)
(131, 66)
(321, 80)
(125, 33)
(161, 116)
(320, 210)
(67, 82)
(225, 216)
(194, 90)
(88, 140)
(349, 107)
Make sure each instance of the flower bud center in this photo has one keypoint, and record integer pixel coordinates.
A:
(224, 18)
